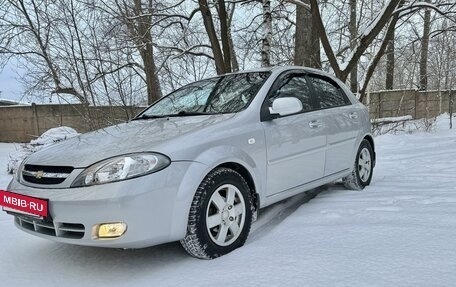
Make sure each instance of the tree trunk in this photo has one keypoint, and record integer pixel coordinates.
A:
(147, 52)
(425, 49)
(225, 35)
(234, 61)
(389, 84)
(140, 32)
(303, 36)
(211, 33)
(152, 81)
(307, 43)
(353, 29)
(267, 34)
(315, 47)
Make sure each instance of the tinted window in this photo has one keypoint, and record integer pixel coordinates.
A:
(328, 94)
(294, 86)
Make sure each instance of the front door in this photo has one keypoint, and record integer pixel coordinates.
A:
(296, 144)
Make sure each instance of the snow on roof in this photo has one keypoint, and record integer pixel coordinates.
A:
(9, 102)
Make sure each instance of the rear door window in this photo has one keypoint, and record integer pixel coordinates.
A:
(328, 93)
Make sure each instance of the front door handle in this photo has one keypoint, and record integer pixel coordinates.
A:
(353, 115)
(315, 124)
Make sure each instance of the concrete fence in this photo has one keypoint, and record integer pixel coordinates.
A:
(23, 123)
(418, 104)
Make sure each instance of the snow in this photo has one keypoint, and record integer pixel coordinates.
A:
(407, 125)
(12, 102)
(49, 137)
(55, 135)
(6, 150)
(400, 231)
(392, 119)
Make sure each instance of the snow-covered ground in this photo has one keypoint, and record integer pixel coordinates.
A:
(400, 231)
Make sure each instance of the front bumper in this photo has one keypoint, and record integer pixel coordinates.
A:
(155, 208)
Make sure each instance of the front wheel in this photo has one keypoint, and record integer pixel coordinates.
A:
(220, 215)
(362, 170)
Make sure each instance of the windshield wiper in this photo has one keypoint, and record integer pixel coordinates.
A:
(179, 114)
(185, 113)
(146, 117)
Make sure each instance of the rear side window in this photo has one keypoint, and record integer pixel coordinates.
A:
(295, 86)
(328, 94)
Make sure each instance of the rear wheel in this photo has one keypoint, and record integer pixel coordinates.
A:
(220, 215)
(362, 170)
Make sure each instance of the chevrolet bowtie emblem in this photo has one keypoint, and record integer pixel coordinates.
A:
(39, 174)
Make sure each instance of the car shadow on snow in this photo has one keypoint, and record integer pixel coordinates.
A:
(273, 215)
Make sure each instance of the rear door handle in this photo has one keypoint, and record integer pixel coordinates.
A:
(353, 115)
(315, 124)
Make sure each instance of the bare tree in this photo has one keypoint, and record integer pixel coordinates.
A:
(267, 34)
(353, 29)
(389, 83)
(28, 34)
(425, 49)
(234, 61)
(138, 19)
(122, 52)
(222, 59)
(66, 52)
(307, 42)
(374, 62)
(365, 39)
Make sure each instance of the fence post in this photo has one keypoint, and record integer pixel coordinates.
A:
(36, 125)
(450, 108)
(61, 115)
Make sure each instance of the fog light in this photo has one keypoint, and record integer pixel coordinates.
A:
(111, 230)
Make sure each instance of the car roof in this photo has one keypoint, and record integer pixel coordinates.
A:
(280, 69)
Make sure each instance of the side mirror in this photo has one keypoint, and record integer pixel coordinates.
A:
(285, 106)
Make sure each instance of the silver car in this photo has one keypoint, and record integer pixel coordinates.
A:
(198, 164)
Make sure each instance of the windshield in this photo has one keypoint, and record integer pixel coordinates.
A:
(225, 94)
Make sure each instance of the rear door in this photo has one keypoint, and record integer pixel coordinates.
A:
(343, 121)
(295, 143)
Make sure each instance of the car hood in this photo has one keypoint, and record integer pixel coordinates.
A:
(135, 136)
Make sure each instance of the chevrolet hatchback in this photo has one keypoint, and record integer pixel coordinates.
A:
(198, 164)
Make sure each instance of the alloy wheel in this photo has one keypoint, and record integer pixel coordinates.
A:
(364, 165)
(225, 215)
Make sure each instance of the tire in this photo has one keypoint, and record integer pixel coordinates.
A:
(220, 215)
(363, 168)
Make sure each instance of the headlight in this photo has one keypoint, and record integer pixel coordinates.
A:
(121, 168)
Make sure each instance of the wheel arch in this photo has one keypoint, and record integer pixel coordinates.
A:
(248, 165)
(201, 166)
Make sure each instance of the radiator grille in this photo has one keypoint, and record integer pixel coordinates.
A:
(41, 174)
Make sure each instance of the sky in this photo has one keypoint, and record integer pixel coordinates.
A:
(10, 86)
